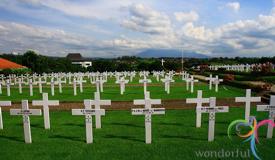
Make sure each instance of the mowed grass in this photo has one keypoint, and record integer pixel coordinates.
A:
(112, 91)
(122, 137)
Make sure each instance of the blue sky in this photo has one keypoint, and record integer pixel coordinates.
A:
(110, 28)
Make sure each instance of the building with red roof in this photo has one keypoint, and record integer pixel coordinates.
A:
(6, 64)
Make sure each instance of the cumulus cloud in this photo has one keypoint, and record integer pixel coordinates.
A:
(20, 37)
(96, 9)
(191, 16)
(152, 29)
(144, 19)
(235, 6)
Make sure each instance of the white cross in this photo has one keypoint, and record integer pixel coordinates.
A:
(212, 109)
(211, 80)
(167, 82)
(191, 81)
(199, 101)
(88, 112)
(31, 87)
(3, 104)
(60, 84)
(8, 84)
(80, 82)
(162, 62)
(145, 81)
(148, 111)
(122, 83)
(217, 82)
(1, 87)
(97, 83)
(74, 86)
(19, 82)
(26, 112)
(97, 103)
(40, 82)
(101, 82)
(271, 109)
(157, 74)
(52, 83)
(70, 78)
(132, 75)
(247, 99)
(45, 102)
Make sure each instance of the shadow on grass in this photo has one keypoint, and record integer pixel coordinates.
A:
(73, 124)
(124, 138)
(171, 124)
(17, 139)
(183, 137)
(221, 134)
(125, 124)
(32, 125)
(37, 126)
(71, 138)
(226, 123)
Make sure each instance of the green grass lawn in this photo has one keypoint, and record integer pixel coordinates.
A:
(112, 91)
(122, 137)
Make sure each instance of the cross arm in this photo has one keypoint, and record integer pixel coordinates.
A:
(5, 103)
(35, 112)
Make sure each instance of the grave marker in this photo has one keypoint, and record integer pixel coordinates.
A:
(122, 83)
(88, 112)
(148, 111)
(199, 101)
(3, 104)
(167, 82)
(45, 102)
(97, 102)
(26, 112)
(212, 110)
(74, 86)
(247, 99)
(211, 80)
(271, 109)
(40, 83)
(8, 85)
(31, 87)
(191, 81)
(145, 81)
(60, 84)
(217, 82)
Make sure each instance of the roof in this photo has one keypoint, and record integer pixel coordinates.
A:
(6, 64)
(75, 56)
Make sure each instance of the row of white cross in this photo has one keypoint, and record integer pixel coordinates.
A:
(88, 112)
(45, 102)
(248, 99)
(238, 67)
(99, 81)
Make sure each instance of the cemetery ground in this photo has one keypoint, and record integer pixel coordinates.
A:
(122, 137)
(134, 90)
(174, 135)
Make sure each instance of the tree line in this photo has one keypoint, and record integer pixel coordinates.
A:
(43, 64)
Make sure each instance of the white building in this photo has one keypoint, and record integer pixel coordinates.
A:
(77, 59)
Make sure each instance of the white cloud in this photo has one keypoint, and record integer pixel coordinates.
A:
(235, 6)
(95, 9)
(191, 16)
(152, 29)
(200, 33)
(145, 19)
(48, 41)
(97, 29)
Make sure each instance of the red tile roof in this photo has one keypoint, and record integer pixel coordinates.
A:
(6, 64)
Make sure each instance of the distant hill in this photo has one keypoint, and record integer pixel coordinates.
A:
(156, 53)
